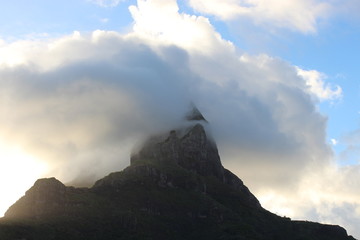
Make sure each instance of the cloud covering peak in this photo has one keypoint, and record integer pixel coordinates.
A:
(82, 100)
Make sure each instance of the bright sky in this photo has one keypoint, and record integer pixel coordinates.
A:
(277, 79)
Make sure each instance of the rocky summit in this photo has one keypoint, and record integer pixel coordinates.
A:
(174, 188)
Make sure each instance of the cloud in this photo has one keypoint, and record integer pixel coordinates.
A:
(350, 154)
(296, 15)
(347, 9)
(334, 141)
(82, 100)
(159, 21)
(328, 195)
(317, 86)
(80, 103)
(353, 138)
(106, 3)
(84, 108)
(266, 97)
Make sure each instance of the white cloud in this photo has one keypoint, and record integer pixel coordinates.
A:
(334, 141)
(159, 21)
(317, 86)
(297, 15)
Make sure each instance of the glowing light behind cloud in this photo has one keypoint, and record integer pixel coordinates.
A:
(18, 172)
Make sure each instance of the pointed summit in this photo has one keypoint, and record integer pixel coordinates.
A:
(194, 114)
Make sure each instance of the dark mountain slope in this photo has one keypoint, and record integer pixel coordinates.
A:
(175, 188)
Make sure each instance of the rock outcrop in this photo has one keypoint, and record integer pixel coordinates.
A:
(193, 150)
(45, 195)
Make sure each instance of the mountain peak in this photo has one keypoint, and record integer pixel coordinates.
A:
(194, 114)
(190, 148)
(175, 182)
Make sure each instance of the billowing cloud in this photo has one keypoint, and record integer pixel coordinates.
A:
(160, 22)
(91, 97)
(78, 105)
(296, 15)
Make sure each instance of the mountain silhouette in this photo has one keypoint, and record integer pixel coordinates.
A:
(175, 188)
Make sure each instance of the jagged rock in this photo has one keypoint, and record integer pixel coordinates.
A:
(193, 151)
(47, 193)
(195, 115)
(46, 198)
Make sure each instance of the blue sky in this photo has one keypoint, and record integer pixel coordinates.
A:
(277, 80)
(59, 17)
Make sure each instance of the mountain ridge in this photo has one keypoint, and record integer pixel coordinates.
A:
(174, 188)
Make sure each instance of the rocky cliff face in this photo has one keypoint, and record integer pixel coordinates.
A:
(175, 188)
(46, 195)
(193, 150)
(47, 198)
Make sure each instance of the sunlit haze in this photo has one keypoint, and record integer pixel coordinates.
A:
(18, 174)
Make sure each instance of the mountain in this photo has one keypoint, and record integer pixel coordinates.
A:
(174, 188)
